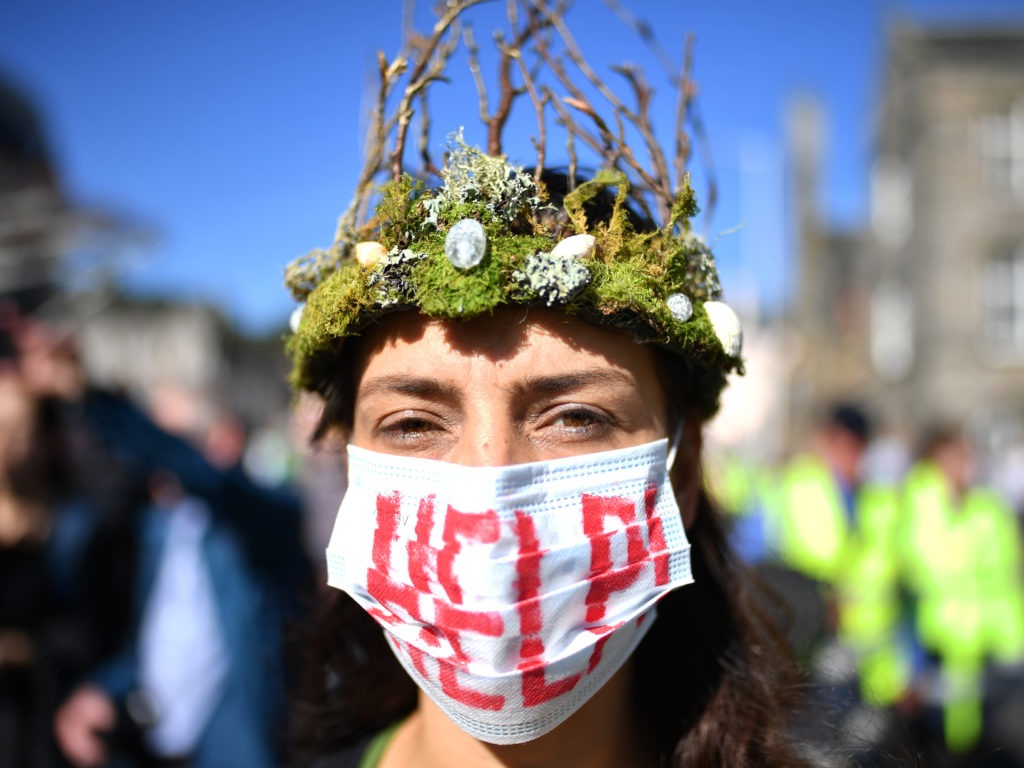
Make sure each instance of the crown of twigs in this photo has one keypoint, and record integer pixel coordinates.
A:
(487, 235)
(538, 41)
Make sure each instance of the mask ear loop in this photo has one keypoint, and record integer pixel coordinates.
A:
(673, 446)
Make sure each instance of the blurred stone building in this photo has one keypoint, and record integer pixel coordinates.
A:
(827, 314)
(159, 348)
(922, 313)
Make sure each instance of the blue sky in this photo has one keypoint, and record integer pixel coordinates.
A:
(233, 128)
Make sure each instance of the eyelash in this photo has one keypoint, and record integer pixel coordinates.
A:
(595, 421)
(406, 426)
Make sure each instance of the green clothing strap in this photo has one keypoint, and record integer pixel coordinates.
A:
(377, 746)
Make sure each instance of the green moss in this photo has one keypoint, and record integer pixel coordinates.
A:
(575, 203)
(613, 235)
(399, 215)
(617, 287)
(690, 265)
(446, 292)
(336, 305)
(450, 212)
(513, 248)
(685, 206)
(677, 262)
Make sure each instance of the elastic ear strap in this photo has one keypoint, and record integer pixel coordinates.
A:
(673, 445)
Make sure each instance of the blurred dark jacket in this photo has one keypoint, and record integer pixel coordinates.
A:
(257, 567)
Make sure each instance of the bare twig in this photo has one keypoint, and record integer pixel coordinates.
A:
(506, 96)
(408, 25)
(644, 32)
(420, 77)
(473, 54)
(605, 146)
(508, 93)
(540, 46)
(424, 142)
(388, 74)
(642, 120)
(707, 162)
(682, 81)
(555, 65)
(684, 95)
(539, 102)
(566, 121)
(556, 20)
(615, 147)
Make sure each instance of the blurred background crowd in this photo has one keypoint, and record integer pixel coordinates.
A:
(162, 514)
(156, 526)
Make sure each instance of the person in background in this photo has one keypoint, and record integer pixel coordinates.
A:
(835, 535)
(962, 549)
(61, 555)
(218, 569)
(819, 495)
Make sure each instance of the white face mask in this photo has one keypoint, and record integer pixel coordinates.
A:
(510, 594)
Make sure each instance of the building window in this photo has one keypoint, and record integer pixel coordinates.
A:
(1002, 303)
(892, 214)
(1000, 138)
(892, 331)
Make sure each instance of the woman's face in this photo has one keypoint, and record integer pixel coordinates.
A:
(514, 387)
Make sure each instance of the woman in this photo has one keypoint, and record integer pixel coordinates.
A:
(522, 368)
(511, 603)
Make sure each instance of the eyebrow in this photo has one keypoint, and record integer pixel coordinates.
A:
(420, 386)
(568, 382)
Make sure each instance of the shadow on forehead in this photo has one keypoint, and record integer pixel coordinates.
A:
(511, 330)
(501, 335)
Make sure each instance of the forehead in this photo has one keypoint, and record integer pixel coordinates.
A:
(510, 339)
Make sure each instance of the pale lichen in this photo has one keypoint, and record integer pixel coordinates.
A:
(305, 273)
(554, 279)
(390, 282)
(505, 191)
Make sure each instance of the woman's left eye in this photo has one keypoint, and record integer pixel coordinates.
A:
(579, 419)
(406, 426)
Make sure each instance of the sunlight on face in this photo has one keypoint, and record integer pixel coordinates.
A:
(518, 386)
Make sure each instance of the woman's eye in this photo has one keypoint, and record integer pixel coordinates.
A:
(407, 427)
(580, 419)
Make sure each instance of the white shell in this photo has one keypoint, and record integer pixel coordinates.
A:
(727, 326)
(680, 306)
(465, 244)
(296, 318)
(577, 246)
(368, 252)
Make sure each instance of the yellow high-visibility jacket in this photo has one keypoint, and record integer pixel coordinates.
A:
(963, 564)
(857, 559)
